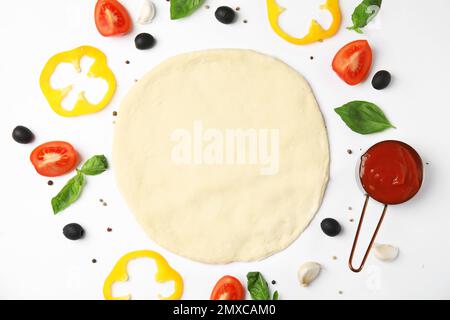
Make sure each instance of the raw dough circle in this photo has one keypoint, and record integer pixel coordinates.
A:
(220, 213)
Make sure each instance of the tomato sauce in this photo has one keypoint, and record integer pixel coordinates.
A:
(391, 172)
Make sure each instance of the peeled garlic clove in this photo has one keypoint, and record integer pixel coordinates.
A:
(147, 12)
(385, 252)
(308, 272)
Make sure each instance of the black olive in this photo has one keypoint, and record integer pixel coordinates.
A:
(225, 14)
(144, 41)
(381, 79)
(22, 134)
(330, 227)
(73, 231)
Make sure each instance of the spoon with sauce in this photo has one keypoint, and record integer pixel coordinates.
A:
(391, 172)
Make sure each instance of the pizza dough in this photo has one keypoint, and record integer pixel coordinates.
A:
(197, 206)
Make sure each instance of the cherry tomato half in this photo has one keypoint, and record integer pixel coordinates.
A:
(111, 18)
(54, 158)
(353, 61)
(228, 288)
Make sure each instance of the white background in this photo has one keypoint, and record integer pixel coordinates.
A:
(409, 38)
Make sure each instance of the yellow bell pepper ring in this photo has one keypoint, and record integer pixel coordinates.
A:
(98, 69)
(316, 32)
(163, 274)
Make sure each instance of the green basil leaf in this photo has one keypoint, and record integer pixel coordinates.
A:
(95, 165)
(275, 295)
(69, 194)
(183, 8)
(257, 286)
(364, 13)
(363, 117)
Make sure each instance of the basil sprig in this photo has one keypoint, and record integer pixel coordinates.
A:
(275, 295)
(73, 188)
(183, 8)
(95, 165)
(258, 287)
(363, 117)
(364, 13)
(69, 194)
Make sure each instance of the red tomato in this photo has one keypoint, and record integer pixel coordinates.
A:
(54, 158)
(111, 18)
(353, 61)
(228, 288)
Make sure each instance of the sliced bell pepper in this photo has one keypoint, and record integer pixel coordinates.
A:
(316, 32)
(99, 69)
(164, 273)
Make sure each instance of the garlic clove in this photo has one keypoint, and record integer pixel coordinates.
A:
(385, 252)
(308, 272)
(147, 12)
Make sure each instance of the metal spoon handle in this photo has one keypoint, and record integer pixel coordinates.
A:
(355, 242)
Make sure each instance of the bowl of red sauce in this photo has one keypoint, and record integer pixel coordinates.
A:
(391, 172)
